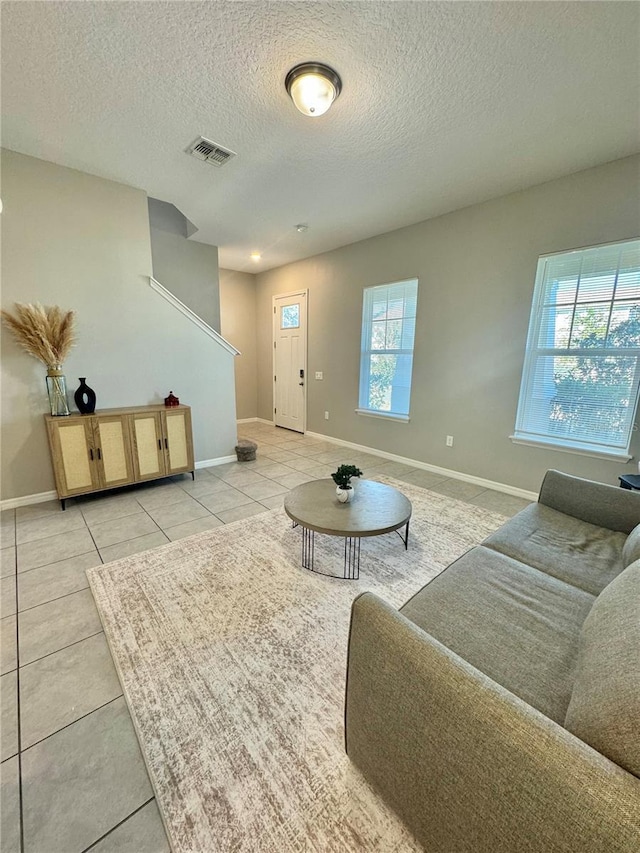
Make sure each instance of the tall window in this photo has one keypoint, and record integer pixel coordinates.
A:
(582, 364)
(386, 360)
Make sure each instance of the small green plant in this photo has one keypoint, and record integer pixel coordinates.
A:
(342, 477)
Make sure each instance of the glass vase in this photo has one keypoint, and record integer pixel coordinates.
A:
(57, 390)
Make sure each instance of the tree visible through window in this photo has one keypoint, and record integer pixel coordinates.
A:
(582, 365)
(386, 361)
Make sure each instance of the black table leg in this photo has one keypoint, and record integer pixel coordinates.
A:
(352, 558)
(308, 545)
(405, 538)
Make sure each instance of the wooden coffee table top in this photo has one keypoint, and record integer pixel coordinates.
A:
(374, 509)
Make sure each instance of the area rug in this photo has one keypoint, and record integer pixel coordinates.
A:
(232, 660)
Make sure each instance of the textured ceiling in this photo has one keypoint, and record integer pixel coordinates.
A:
(444, 104)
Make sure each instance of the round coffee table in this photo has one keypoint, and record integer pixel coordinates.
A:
(375, 509)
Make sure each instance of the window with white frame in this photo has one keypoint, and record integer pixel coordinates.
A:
(386, 358)
(582, 364)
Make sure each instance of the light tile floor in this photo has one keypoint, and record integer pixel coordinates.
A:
(73, 778)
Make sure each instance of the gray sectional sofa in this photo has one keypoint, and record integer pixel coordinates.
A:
(499, 710)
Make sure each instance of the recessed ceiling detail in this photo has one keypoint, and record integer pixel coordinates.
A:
(210, 152)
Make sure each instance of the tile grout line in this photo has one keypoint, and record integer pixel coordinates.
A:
(18, 705)
(134, 539)
(73, 722)
(134, 812)
(238, 489)
(125, 540)
(222, 510)
(164, 529)
(57, 598)
(144, 534)
(62, 648)
(55, 562)
(49, 535)
(94, 544)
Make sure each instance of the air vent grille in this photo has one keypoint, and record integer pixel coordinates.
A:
(210, 152)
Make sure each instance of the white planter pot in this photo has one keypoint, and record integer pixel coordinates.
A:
(344, 495)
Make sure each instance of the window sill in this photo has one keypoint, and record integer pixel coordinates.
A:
(615, 455)
(403, 419)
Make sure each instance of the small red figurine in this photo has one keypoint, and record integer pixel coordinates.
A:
(171, 400)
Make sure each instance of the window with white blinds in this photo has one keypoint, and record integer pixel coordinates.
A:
(386, 359)
(582, 365)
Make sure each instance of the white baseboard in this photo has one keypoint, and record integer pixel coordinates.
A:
(220, 460)
(25, 500)
(435, 469)
(255, 421)
(41, 497)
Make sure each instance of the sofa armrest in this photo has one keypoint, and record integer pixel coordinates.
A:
(470, 767)
(595, 503)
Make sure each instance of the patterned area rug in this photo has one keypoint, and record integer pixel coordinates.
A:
(232, 659)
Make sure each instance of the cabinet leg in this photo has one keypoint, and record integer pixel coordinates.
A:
(193, 475)
(63, 504)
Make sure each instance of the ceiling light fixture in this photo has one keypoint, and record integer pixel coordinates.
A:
(255, 256)
(313, 87)
(302, 227)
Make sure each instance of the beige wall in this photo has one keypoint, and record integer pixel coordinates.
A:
(476, 269)
(190, 271)
(81, 242)
(238, 320)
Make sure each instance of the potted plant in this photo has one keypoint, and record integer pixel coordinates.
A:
(47, 334)
(342, 479)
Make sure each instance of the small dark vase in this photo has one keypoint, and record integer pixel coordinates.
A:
(85, 398)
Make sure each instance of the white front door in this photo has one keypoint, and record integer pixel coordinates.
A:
(290, 360)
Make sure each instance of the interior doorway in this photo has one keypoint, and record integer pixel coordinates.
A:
(290, 360)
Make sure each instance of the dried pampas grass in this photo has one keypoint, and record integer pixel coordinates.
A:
(46, 332)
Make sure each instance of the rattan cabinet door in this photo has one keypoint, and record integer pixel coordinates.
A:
(178, 443)
(147, 445)
(112, 447)
(74, 460)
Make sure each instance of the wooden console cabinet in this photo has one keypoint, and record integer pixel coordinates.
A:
(116, 447)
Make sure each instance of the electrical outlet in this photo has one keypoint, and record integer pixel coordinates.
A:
(319, 374)
(449, 441)
(326, 416)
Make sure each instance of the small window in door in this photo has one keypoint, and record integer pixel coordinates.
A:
(290, 317)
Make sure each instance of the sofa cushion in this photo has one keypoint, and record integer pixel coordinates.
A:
(514, 623)
(595, 503)
(631, 549)
(604, 710)
(582, 554)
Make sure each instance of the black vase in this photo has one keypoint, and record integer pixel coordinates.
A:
(85, 398)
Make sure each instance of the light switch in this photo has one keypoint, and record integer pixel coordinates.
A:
(319, 374)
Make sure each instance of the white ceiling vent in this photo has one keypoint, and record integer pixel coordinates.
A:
(210, 152)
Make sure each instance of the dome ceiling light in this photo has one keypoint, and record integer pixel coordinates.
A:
(313, 87)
